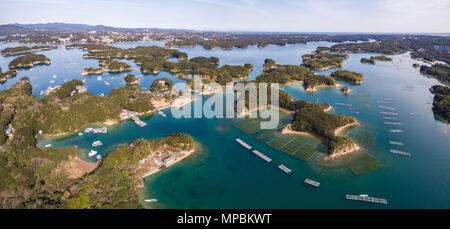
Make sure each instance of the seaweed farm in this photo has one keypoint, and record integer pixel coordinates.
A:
(362, 162)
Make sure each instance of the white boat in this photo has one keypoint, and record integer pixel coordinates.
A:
(87, 130)
(79, 134)
(106, 82)
(150, 200)
(97, 143)
(52, 81)
(48, 145)
(99, 78)
(54, 76)
(99, 157)
(92, 153)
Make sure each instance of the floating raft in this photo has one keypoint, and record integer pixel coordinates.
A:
(395, 131)
(382, 101)
(366, 198)
(400, 152)
(396, 143)
(243, 143)
(388, 99)
(284, 168)
(313, 183)
(388, 108)
(390, 118)
(261, 155)
(343, 104)
(388, 113)
(394, 123)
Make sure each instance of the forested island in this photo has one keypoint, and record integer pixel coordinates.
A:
(285, 74)
(313, 119)
(25, 49)
(4, 76)
(441, 101)
(161, 85)
(438, 71)
(28, 61)
(323, 61)
(372, 59)
(113, 66)
(348, 76)
(153, 59)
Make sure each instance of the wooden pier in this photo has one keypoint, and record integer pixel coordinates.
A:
(400, 152)
(366, 198)
(261, 155)
(284, 168)
(162, 113)
(243, 143)
(313, 183)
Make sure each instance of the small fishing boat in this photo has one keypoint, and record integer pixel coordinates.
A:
(92, 153)
(150, 200)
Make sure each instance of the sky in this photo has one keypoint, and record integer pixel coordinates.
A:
(393, 16)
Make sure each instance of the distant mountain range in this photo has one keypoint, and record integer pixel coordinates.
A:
(58, 26)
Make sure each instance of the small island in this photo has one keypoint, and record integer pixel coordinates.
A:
(28, 61)
(345, 90)
(373, 59)
(323, 61)
(25, 49)
(441, 101)
(286, 74)
(112, 66)
(4, 76)
(347, 76)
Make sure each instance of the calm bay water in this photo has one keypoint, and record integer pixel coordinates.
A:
(222, 174)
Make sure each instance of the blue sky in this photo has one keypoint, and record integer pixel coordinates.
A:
(426, 16)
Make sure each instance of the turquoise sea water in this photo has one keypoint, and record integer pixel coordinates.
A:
(223, 174)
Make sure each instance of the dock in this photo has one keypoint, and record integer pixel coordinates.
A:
(400, 152)
(394, 123)
(162, 113)
(366, 198)
(138, 121)
(261, 155)
(243, 143)
(284, 168)
(396, 143)
(388, 113)
(395, 131)
(313, 183)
